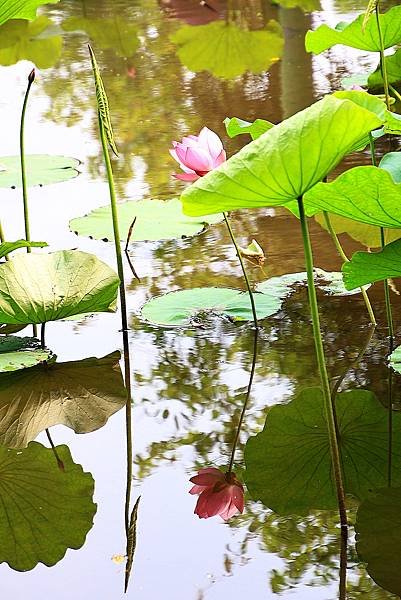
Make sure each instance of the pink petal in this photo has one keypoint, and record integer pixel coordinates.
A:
(230, 511)
(173, 153)
(237, 497)
(186, 176)
(207, 479)
(220, 159)
(209, 140)
(197, 159)
(181, 152)
(190, 140)
(197, 489)
(212, 503)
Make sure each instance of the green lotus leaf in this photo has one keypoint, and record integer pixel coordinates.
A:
(8, 247)
(24, 40)
(40, 170)
(378, 535)
(20, 353)
(226, 50)
(81, 395)
(9, 329)
(36, 288)
(117, 33)
(288, 464)
(236, 126)
(366, 100)
(353, 35)
(185, 307)
(368, 235)
(20, 9)
(368, 267)
(285, 161)
(330, 282)
(391, 162)
(365, 194)
(44, 510)
(395, 359)
(155, 220)
(393, 66)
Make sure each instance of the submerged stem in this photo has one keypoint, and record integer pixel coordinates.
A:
(317, 335)
(245, 274)
(345, 258)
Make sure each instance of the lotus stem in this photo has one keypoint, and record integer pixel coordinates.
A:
(2, 238)
(244, 272)
(383, 67)
(42, 336)
(345, 258)
(60, 463)
(324, 379)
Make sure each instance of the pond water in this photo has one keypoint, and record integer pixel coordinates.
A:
(188, 383)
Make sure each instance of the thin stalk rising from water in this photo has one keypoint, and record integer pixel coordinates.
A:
(2, 238)
(328, 402)
(383, 67)
(345, 258)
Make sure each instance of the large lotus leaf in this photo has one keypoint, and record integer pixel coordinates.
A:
(155, 220)
(20, 353)
(355, 36)
(20, 9)
(366, 100)
(255, 129)
(283, 163)
(36, 288)
(117, 33)
(331, 282)
(393, 66)
(378, 537)
(368, 235)
(44, 510)
(81, 395)
(288, 464)
(8, 247)
(226, 50)
(365, 194)
(182, 307)
(24, 40)
(395, 359)
(40, 170)
(368, 267)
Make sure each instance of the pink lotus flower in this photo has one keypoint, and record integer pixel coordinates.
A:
(219, 494)
(198, 154)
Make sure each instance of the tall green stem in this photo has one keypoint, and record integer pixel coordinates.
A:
(345, 258)
(2, 238)
(329, 406)
(124, 320)
(383, 67)
(245, 274)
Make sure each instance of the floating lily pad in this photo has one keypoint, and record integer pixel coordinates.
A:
(255, 129)
(226, 50)
(355, 35)
(155, 220)
(21, 9)
(395, 359)
(8, 247)
(300, 151)
(331, 282)
(378, 537)
(117, 33)
(81, 395)
(288, 464)
(40, 170)
(43, 510)
(368, 267)
(20, 353)
(24, 40)
(9, 329)
(182, 307)
(36, 288)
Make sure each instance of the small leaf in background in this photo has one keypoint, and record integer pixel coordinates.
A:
(330, 282)
(236, 126)
(353, 35)
(288, 464)
(254, 253)
(81, 395)
(19, 353)
(395, 359)
(117, 33)
(365, 194)
(21, 9)
(155, 220)
(8, 247)
(226, 50)
(368, 267)
(391, 162)
(393, 66)
(40, 169)
(378, 537)
(43, 510)
(36, 288)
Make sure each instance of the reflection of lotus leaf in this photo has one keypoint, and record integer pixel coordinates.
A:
(288, 464)
(117, 33)
(19, 353)
(305, 5)
(22, 40)
(228, 51)
(82, 395)
(36, 288)
(43, 510)
(20, 9)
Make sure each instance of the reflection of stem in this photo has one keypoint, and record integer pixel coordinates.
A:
(345, 258)
(42, 336)
(317, 335)
(342, 595)
(59, 461)
(131, 266)
(245, 274)
(390, 418)
(383, 67)
(248, 394)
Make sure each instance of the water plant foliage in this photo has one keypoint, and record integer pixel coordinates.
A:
(8, 247)
(41, 170)
(20, 353)
(34, 41)
(236, 126)
(21, 9)
(368, 267)
(36, 288)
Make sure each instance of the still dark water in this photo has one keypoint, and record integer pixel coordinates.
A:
(188, 384)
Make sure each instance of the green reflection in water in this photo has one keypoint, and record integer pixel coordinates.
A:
(34, 41)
